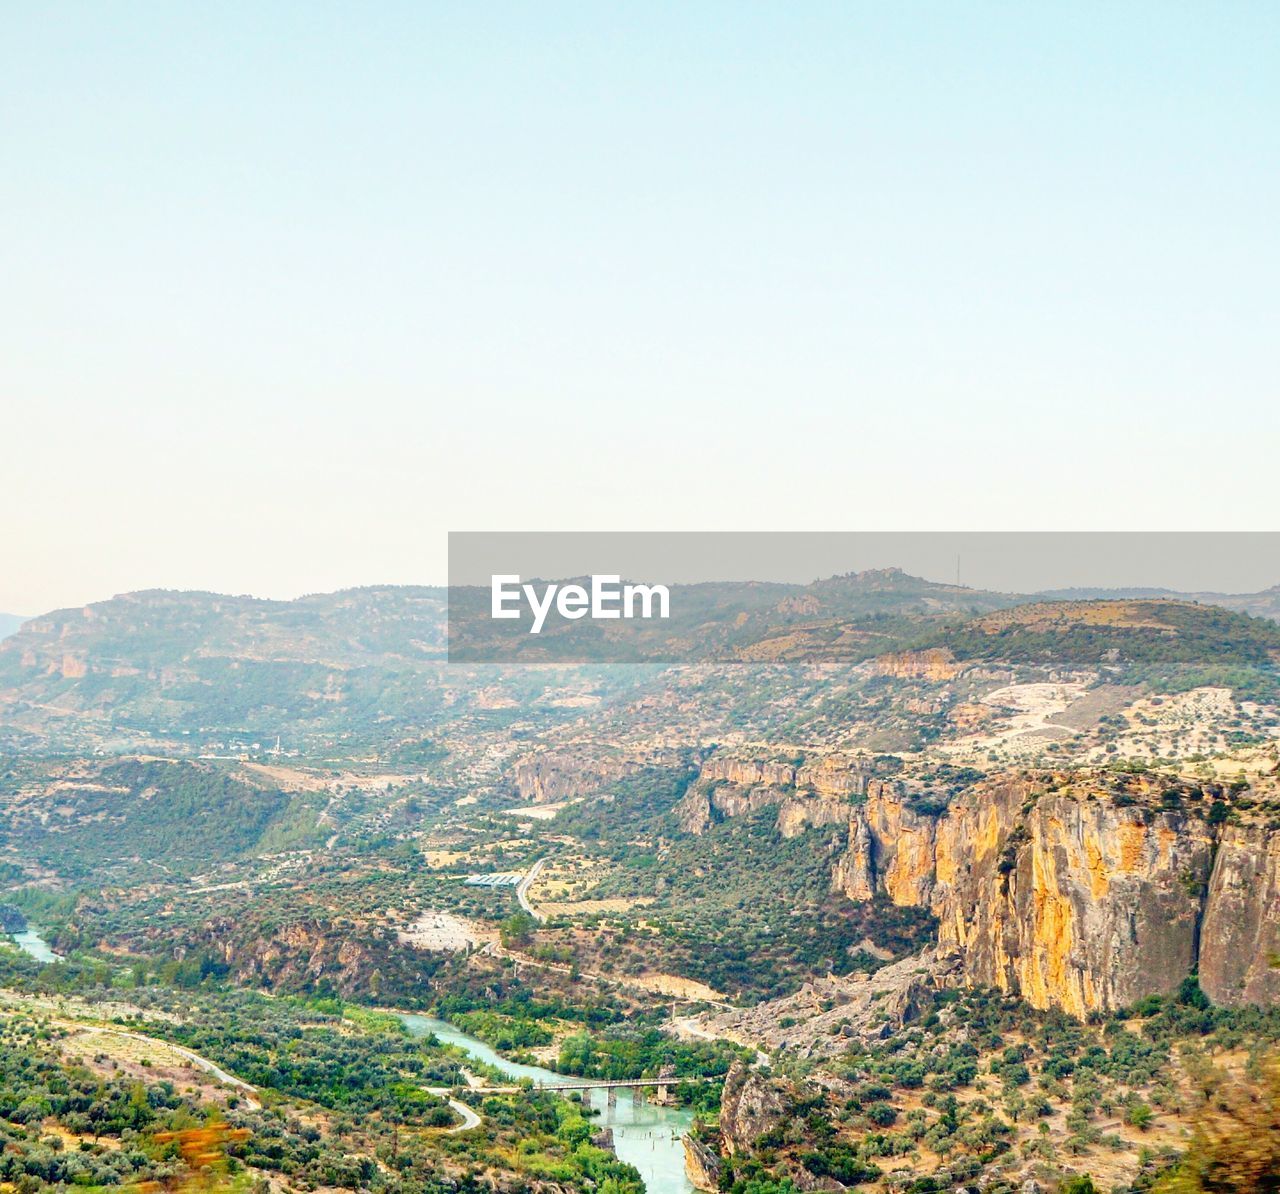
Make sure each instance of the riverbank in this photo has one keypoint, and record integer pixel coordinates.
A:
(644, 1134)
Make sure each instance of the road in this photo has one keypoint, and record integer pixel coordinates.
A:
(469, 1118)
(202, 1063)
(522, 889)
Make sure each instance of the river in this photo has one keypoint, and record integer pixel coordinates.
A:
(644, 1134)
(30, 941)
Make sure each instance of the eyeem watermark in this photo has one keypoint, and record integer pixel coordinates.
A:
(607, 598)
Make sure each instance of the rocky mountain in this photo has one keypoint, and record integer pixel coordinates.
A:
(1074, 892)
(1084, 890)
(182, 672)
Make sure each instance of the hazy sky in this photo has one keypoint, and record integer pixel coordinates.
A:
(288, 291)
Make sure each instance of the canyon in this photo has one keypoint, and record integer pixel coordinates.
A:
(1072, 890)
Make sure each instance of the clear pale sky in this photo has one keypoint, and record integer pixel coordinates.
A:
(288, 291)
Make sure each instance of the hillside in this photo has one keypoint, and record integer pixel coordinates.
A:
(1264, 604)
(1174, 645)
(201, 672)
(892, 869)
(849, 617)
(359, 669)
(147, 817)
(9, 624)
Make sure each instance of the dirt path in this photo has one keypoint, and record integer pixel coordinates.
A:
(201, 1063)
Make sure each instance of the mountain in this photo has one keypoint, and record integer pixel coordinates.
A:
(1134, 640)
(1264, 604)
(194, 671)
(9, 624)
(848, 617)
(990, 880)
(364, 667)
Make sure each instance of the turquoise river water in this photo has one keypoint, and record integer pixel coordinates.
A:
(644, 1134)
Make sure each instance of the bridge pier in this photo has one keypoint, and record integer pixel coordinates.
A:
(666, 1078)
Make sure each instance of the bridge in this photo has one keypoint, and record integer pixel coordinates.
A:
(613, 1083)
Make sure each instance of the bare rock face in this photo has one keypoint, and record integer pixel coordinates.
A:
(1063, 895)
(935, 664)
(836, 775)
(702, 1165)
(701, 807)
(552, 776)
(797, 815)
(891, 849)
(854, 873)
(807, 795)
(1240, 939)
(1073, 903)
(751, 1105)
(749, 773)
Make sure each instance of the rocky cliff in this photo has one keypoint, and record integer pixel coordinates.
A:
(807, 794)
(702, 1164)
(1240, 936)
(751, 1106)
(551, 776)
(1073, 895)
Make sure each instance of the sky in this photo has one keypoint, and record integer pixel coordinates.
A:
(288, 292)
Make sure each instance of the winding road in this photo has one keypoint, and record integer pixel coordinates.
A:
(522, 889)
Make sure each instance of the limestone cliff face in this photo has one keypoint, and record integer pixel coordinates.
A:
(1074, 903)
(891, 849)
(552, 776)
(801, 813)
(749, 773)
(1240, 940)
(807, 795)
(935, 664)
(702, 806)
(702, 1164)
(1072, 899)
(836, 775)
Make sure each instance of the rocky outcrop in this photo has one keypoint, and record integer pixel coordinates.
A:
(750, 1106)
(702, 1164)
(891, 849)
(1240, 937)
(553, 776)
(1073, 903)
(935, 664)
(799, 814)
(1073, 896)
(749, 773)
(702, 806)
(807, 794)
(821, 1017)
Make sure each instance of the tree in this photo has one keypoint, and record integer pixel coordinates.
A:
(1235, 1148)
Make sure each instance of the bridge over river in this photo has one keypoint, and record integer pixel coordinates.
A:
(660, 1085)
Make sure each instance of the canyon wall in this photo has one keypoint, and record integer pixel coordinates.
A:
(1071, 898)
(549, 777)
(1072, 890)
(806, 794)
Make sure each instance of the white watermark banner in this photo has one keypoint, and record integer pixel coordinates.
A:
(664, 597)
